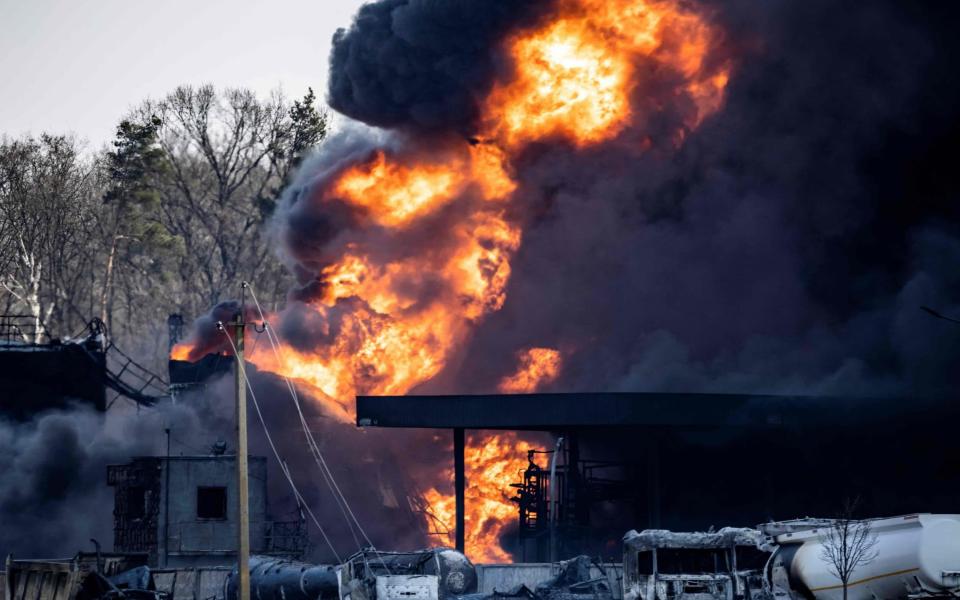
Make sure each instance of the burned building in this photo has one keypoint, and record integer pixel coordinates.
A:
(41, 372)
(182, 511)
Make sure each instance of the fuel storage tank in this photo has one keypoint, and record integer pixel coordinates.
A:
(916, 555)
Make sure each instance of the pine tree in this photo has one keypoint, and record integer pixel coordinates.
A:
(131, 202)
(307, 127)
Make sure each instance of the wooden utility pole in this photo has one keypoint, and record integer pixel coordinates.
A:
(243, 500)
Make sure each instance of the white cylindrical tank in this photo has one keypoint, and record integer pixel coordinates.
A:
(915, 554)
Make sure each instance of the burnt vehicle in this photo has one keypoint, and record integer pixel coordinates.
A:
(434, 574)
(724, 565)
(909, 557)
(579, 578)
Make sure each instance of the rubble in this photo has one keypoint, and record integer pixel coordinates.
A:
(87, 576)
(575, 581)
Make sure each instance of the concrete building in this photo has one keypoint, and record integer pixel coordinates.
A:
(181, 511)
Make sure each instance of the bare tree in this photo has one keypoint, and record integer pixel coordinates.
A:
(46, 191)
(171, 218)
(229, 154)
(226, 157)
(848, 544)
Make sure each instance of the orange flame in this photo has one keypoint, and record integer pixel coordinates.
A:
(395, 194)
(575, 77)
(181, 351)
(391, 323)
(492, 462)
(537, 368)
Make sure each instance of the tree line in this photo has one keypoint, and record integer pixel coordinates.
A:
(167, 220)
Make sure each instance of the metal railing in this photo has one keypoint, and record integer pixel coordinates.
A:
(23, 330)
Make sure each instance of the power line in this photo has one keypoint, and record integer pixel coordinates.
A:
(276, 453)
(325, 473)
(312, 443)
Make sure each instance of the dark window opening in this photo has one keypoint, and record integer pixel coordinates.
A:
(751, 558)
(645, 563)
(678, 561)
(136, 502)
(211, 503)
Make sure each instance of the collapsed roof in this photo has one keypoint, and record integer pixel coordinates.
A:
(727, 537)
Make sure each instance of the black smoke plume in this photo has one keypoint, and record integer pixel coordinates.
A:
(422, 64)
(53, 492)
(786, 246)
(54, 496)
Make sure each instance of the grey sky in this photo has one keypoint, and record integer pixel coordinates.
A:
(79, 65)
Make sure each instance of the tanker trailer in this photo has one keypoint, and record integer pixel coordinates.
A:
(434, 574)
(917, 557)
(278, 579)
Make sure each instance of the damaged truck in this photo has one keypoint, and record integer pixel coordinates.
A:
(723, 565)
(913, 557)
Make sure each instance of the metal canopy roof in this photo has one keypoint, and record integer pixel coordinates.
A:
(598, 410)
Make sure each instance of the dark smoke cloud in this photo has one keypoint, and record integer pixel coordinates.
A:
(787, 246)
(53, 493)
(375, 469)
(422, 64)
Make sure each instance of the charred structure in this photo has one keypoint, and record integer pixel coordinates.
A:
(181, 511)
(40, 372)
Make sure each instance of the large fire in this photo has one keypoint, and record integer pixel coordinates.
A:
(392, 321)
(575, 77)
(492, 462)
(537, 367)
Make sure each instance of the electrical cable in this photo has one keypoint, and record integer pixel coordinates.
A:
(315, 452)
(315, 449)
(276, 453)
(325, 471)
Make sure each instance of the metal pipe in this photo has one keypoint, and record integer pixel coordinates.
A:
(166, 504)
(554, 501)
(96, 545)
(459, 485)
(733, 570)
